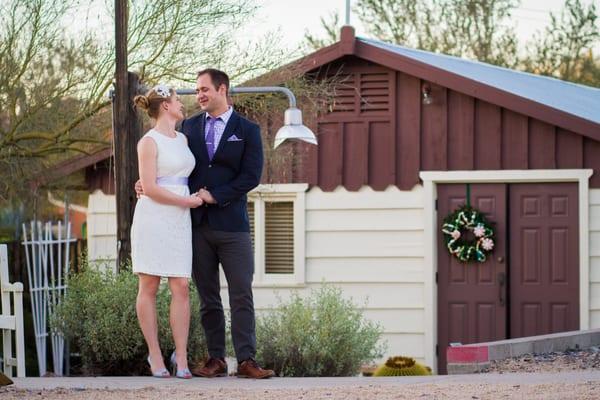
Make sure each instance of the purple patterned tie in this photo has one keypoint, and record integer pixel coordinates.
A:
(210, 137)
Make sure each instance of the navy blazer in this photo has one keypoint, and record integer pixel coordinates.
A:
(235, 169)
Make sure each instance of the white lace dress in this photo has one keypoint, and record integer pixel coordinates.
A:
(161, 234)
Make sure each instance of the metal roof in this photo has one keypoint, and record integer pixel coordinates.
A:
(582, 101)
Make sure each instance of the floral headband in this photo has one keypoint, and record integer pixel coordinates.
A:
(162, 90)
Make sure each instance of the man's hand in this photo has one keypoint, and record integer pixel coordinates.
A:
(139, 191)
(206, 196)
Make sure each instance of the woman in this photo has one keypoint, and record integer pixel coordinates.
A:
(161, 231)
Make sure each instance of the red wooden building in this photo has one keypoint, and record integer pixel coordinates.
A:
(527, 145)
(406, 133)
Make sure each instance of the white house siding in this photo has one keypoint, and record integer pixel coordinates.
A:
(594, 258)
(370, 244)
(102, 229)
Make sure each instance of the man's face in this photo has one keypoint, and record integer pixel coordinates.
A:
(208, 97)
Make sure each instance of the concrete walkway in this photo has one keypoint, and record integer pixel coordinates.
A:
(129, 383)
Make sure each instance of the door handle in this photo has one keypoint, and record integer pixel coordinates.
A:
(501, 284)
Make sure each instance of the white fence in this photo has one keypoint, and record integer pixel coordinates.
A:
(11, 320)
(47, 254)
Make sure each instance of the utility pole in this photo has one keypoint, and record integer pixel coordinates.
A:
(127, 131)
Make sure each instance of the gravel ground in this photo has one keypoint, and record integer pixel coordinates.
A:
(544, 384)
(580, 391)
(570, 360)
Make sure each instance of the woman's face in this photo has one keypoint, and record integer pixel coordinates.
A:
(174, 107)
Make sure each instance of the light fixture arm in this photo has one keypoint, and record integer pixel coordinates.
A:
(250, 89)
(293, 129)
(267, 89)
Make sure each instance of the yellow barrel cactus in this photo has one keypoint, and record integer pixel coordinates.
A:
(402, 366)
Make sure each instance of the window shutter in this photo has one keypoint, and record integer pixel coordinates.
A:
(279, 237)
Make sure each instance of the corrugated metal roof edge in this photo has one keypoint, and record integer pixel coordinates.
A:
(385, 46)
(560, 117)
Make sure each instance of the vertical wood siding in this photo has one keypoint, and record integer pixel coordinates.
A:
(379, 133)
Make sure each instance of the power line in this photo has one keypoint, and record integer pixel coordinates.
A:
(531, 18)
(537, 10)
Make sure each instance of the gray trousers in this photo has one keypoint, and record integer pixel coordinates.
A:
(233, 250)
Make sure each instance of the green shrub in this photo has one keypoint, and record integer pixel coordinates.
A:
(321, 335)
(99, 318)
(401, 366)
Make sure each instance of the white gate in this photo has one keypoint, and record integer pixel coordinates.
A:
(47, 253)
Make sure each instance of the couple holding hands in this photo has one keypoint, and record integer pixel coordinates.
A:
(190, 217)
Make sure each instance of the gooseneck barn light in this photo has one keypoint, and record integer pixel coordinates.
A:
(292, 128)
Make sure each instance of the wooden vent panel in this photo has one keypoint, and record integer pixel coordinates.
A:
(344, 100)
(375, 92)
(279, 237)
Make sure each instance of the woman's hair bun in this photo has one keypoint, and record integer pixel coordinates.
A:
(141, 101)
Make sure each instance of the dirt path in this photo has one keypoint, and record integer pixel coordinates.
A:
(542, 386)
(589, 390)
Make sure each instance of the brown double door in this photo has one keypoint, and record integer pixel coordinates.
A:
(530, 283)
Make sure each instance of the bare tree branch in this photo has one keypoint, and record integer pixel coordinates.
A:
(564, 48)
(53, 84)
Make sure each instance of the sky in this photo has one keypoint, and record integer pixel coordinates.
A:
(292, 18)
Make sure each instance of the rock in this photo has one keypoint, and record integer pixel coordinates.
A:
(570, 360)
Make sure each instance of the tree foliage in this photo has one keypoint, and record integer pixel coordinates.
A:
(331, 26)
(54, 81)
(564, 48)
(471, 28)
(483, 30)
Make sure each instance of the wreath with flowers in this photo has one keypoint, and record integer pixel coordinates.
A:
(468, 235)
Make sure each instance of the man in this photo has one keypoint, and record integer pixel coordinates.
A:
(229, 160)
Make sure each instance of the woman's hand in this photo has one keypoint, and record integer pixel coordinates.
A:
(194, 201)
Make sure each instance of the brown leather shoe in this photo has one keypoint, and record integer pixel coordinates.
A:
(251, 369)
(214, 367)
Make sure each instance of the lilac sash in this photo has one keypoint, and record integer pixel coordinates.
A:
(172, 180)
